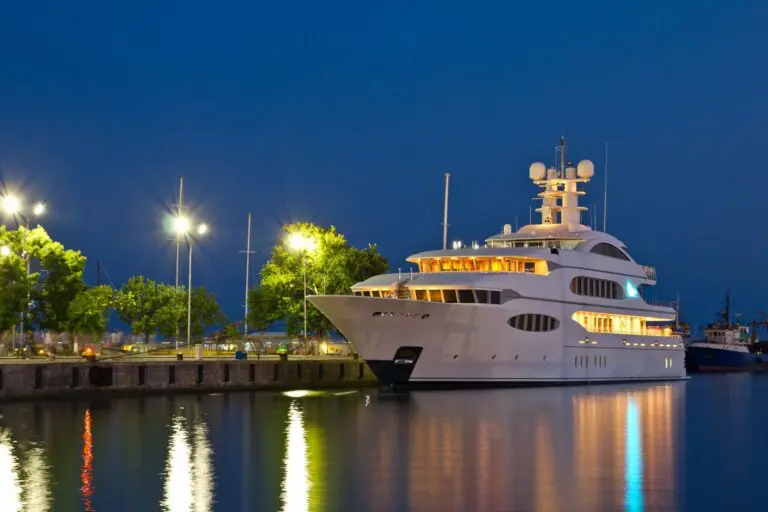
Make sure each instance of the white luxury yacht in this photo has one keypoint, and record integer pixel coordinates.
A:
(552, 303)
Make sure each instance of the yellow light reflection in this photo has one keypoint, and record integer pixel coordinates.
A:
(10, 485)
(202, 469)
(86, 473)
(296, 483)
(189, 477)
(24, 486)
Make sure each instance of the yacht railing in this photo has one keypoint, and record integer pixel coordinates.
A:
(650, 272)
(662, 303)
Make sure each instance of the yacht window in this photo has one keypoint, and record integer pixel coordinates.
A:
(435, 266)
(450, 296)
(482, 296)
(495, 297)
(496, 265)
(445, 265)
(466, 297)
(482, 265)
(366, 293)
(469, 264)
(375, 293)
(534, 322)
(456, 265)
(435, 296)
(358, 293)
(530, 266)
(421, 295)
(609, 250)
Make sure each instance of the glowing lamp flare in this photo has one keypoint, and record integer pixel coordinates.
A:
(202, 229)
(38, 209)
(11, 204)
(181, 225)
(299, 242)
(5, 251)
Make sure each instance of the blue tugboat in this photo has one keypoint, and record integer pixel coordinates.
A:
(727, 347)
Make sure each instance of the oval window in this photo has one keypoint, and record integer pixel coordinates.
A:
(534, 322)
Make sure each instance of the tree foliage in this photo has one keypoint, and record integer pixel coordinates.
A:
(89, 311)
(54, 280)
(331, 268)
(151, 307)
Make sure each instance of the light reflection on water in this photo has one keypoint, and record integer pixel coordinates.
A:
(587, 448)
(24, 476)
(189, 474)
(296, 483)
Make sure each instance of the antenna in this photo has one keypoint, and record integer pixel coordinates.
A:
(98, 269)
(530, 215)
(445, 211)
(605, 197)
(516, 225)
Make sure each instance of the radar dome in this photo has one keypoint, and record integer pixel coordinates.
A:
(586, 169)
(538, 171)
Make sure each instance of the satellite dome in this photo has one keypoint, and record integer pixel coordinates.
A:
(586, 169)
(537, 171)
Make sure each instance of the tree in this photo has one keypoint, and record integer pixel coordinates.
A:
(172, 317)
(88, 312)
(332, 268)
(138, 303)
(59, 280)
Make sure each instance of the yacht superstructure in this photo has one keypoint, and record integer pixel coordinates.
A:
(554, 302)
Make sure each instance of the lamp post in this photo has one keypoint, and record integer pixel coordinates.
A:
(183, 227)
(13, 206)
(304, 245)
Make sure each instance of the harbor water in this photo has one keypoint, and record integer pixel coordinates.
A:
(695, 445)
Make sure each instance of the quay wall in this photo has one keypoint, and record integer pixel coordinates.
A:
(60, 379)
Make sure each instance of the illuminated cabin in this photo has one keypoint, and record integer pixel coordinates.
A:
(554, 301)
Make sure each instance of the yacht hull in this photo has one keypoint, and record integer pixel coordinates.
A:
(430, 344)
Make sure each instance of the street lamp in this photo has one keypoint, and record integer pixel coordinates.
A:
(304, 245)
(13, 205)
(183, 227)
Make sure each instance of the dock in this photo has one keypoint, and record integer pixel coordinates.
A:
(38, 378)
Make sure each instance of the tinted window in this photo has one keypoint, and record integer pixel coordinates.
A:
(534, 322)
(449, 296)
(435, 296)
(421, 294)
(466, 296)
(495, 297)
(482, 296)
(593, 287)
(610, 251)
(529, 266)
(375, 293)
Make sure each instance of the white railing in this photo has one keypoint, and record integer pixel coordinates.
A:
(662, 303)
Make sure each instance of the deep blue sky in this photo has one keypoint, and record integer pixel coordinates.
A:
(349, 113)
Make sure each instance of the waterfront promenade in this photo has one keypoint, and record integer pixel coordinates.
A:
(39, 377)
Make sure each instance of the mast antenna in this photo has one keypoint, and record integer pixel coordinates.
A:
(605, 197)
(445, 211)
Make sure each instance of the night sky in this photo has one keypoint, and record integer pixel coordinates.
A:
(349, 113)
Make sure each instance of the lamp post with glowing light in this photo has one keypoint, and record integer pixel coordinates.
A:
(12, 205)
(304, 245)
(183, 227)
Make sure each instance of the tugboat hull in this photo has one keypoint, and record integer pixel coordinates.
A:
(717, 359)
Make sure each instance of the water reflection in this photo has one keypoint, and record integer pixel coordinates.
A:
(296, 483)
(634, 460)
(189, 476)
(86, 472)
(608, 448)
(24, 476)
